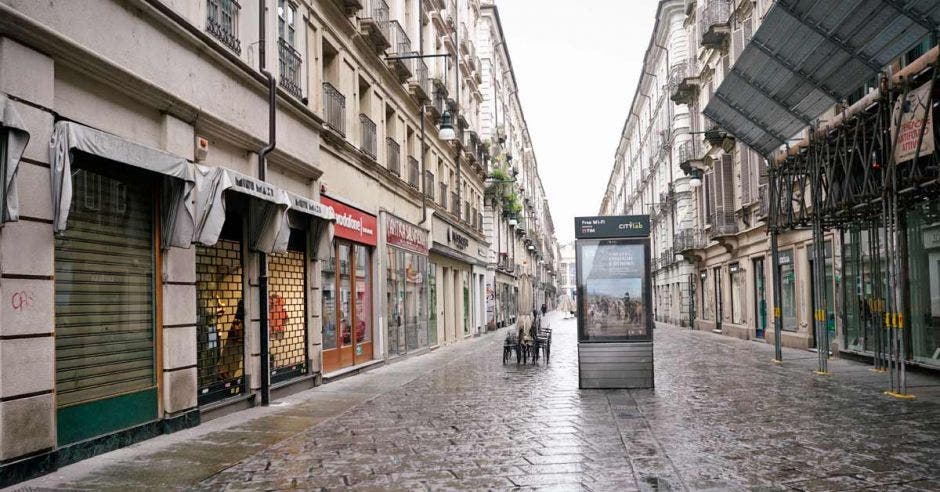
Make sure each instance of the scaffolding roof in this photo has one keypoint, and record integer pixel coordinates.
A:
(807, 55)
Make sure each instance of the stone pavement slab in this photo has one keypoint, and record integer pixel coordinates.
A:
(721, 417)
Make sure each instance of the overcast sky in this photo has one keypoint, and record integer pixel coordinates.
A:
(577, 65)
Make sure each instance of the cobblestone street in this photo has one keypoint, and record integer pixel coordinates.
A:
(722, 417)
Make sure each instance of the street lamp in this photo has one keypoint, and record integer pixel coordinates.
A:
(446, 132)
(695, 178)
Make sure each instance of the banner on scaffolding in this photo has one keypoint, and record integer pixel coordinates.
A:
(913, 116)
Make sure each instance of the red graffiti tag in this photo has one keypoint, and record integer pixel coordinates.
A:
(21, 300)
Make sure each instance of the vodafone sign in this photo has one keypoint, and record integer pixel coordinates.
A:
(352, 223)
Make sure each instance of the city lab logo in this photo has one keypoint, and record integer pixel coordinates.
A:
(349, 222)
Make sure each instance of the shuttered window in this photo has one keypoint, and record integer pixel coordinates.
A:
(724, 182)
(104, 308)
(745, 155)
(709, 197)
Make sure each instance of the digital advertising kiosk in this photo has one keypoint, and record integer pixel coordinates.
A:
(615, 327)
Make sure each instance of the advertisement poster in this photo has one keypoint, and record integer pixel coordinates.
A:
(613, 277)
(912, 116)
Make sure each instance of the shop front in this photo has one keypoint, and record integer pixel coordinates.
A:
(110, 227)
(239, 217)
(346, 280)
(407, 287)
(460, 299)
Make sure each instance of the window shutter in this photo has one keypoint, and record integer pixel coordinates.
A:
(745, 155)
(761, 169)
(725, 201)
(709, 197)
(748, 29)
(737, 44)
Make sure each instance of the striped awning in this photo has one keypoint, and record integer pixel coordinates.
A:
(806, 56)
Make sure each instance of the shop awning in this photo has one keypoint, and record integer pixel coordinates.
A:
(268, 229)
(322, 228)
(178, 185)
(806, 56)
(16, 140)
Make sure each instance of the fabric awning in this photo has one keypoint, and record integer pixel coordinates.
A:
(322, 228)
(269, 230)
(16, 140)
(179, 181)
(806, 56)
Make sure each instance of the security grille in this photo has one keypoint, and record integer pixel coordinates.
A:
(104, 336)
(287, 314)
(221, 321)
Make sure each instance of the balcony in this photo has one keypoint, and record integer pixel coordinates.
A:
(413, 172)
(400, 46)
(477, 69)
(688, 240)
(438, 96)
(420, 84)
(465, 40)
(368, 143)
(334, 109)
(289, 63)
(393, 154)
(763, 197)
(373, 25)
(689, 154)
(455, 204)
(350, 7)
(714, 28)
(722, 224)
(684, 82)
(222, 22)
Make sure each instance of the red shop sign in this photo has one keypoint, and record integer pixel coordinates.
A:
(404, 235)
(352, 223)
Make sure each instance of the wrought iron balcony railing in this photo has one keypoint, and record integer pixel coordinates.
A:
(688, 151)
(222, 22)
(334, 108)
(289, 62)
(413, 172)
(723, 224)
(400, 43)
(374, 22)
(688, 239)
(713, 23)
(420, 83)
(368, 143)
(683, 82)
(393, 154)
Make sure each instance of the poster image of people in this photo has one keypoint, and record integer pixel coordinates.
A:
(612, 277)
(615, 308)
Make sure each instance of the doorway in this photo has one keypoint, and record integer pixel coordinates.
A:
(760, 298)
(718, 308)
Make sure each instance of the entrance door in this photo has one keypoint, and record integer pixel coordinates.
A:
(718, 307)
(104, 306)
(347, 306)
(760, 298)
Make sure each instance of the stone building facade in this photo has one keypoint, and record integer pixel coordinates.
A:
(157, 273)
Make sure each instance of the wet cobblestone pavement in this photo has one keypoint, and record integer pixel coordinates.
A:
(722, 417)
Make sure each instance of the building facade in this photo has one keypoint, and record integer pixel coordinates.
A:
(646, 178)
(740, 127)
(248, 200)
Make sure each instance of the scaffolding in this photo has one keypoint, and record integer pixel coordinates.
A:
(847, 177)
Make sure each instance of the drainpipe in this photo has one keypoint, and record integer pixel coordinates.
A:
(672, 210)
(457, 109)
(423, 181)
(262, 168)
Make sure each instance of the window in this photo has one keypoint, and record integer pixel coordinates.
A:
(788, 290)
(288, 57)
(222, 22)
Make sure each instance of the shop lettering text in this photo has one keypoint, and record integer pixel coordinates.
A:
(309, 205)
(402, 234)
(248, 184)
(350, 222)
(460, 241)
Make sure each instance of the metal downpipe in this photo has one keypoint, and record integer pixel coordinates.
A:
(262, 173)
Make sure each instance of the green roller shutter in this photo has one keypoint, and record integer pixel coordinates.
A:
(104, 318)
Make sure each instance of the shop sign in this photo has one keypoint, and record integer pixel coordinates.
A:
(250, 186)
(459, 241)
(931, 238)
(309, 206)
(913, 116)
(404, 235)
(352, 223)
(610, 226)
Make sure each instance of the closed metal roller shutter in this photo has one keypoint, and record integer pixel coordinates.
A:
(221, 321)
(104, 318)
(287, 314)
